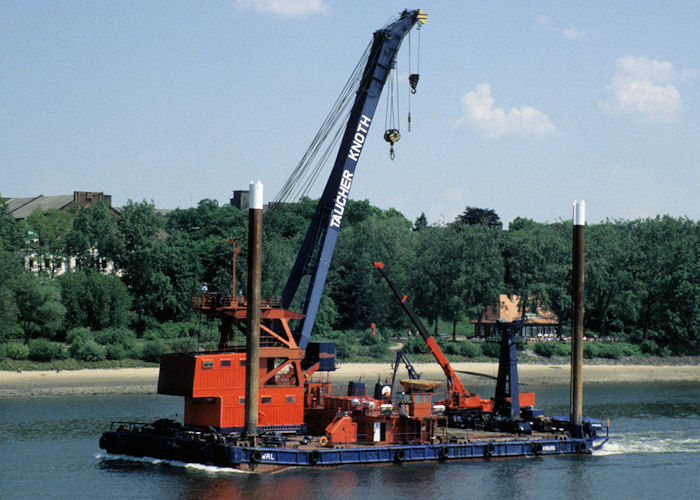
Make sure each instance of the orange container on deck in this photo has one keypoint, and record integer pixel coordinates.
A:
(214, 389)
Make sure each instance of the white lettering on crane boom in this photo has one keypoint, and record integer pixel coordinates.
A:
(341, 198)
(359, 138)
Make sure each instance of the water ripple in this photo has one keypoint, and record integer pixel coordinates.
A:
(651, 442)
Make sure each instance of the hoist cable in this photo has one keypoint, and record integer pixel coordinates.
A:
(387, 107)
(396, 81)
(409, 52)
(412, 78)
(291, 190)
(392, 115)
(300, 181)
(418, 57)
(324, 143)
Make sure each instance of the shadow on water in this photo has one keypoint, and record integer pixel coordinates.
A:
(74, 417)
(516, 478)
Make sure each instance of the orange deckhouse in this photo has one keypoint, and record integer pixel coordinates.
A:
(213, 382)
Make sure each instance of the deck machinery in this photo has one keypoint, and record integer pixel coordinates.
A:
(302, 420)
(464, 408)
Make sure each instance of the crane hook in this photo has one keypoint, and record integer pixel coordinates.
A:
(391, 136)
(413, 82)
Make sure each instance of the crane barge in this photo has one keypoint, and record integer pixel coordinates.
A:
(301, 419)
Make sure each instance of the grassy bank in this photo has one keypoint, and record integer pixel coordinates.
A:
(14, 365)
(11, 365)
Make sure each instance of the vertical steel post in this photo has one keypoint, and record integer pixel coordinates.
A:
(577, 319)
(252, 378)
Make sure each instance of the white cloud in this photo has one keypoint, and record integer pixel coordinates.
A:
(572, 33)
(285, 7)
(480, 114)
(642, 87)
(642, 67)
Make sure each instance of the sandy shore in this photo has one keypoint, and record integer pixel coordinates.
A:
(144, 380)
(103, 381)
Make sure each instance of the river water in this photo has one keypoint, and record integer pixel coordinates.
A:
(48, 449)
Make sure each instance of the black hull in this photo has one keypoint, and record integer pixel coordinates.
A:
(210, 449)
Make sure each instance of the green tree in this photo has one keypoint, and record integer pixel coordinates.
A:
(217, 259)
(10, 271)
(434, 272)
(138, 254)
(421, 222)
(289, 220)
(11, 234)
(94, 300)
(326, 317)
(458, 272)
(482, 270)
(479, 216)
(48, 230)
(38, 300)
(357, 211)
(355, 286)
(199, 251)
(208, 219)
(179, 259)
(93, 237)
(538, 266)
(453, 257)
(609, 286)
(665, 269)
(558, 255)
(279, 254)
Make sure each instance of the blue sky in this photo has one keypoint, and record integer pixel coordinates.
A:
(522, 107)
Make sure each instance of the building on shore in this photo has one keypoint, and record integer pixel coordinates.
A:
(21, 208)
(538, 324)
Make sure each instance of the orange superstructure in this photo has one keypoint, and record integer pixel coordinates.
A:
(213, 383)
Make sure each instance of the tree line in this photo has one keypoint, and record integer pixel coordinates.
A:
(137, 271)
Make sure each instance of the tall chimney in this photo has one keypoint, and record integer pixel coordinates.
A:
(577, 319)
(252, 350)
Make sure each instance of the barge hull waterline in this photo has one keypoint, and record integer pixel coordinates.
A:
(273, 459)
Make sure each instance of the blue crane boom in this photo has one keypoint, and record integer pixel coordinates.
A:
(316, 252)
